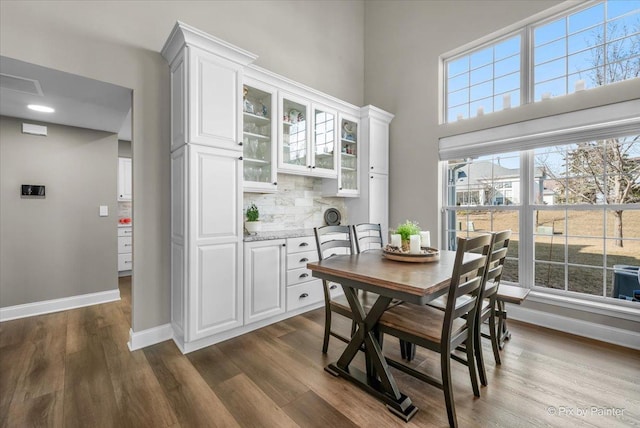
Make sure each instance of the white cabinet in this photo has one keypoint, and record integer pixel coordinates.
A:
(264, 279)
(302, 288)
(125, 249)
(308, 137)
(259, 125)
(373, 204)
(206, 185)
(124, 179)
(348, 182)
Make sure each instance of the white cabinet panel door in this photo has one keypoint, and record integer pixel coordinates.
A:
(213, 99)
(124, 179)
(216, 299)
(379, 202)
(216, 176)
(264, 285)
(178, 103)
(378, 147)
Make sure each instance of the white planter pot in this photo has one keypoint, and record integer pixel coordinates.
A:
(253, 226)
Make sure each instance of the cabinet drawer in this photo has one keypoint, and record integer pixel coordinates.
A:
(124, 244)
(300, 245)
(304, 294)
(297, 276)
(300, 260)
(125, 231)
(125, 262)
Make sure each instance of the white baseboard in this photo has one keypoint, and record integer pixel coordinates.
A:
(151, 336)
(48, 306)
(603, 333)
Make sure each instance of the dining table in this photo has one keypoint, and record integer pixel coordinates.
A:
(391, 280)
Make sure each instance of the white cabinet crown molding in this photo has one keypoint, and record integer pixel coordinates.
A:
(184, 34)
(376, 113)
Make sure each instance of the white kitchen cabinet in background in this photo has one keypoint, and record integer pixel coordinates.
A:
(124, 179)
(373, 204)
(264, 279)
(125, 249)
(206, 186)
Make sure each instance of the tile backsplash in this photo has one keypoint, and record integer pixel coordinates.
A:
(298, 204)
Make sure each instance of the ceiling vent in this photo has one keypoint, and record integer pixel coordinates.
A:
(20, 84)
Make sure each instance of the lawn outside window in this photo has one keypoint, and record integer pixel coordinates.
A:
(577, 217)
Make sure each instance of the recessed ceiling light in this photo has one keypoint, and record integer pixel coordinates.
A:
(42, 109)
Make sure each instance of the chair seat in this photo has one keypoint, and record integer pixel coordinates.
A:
(441, 303)
(421, 322)
(340, 304)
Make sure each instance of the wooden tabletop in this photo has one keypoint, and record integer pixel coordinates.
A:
(412, 282)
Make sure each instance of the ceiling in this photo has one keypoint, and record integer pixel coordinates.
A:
(78, 101)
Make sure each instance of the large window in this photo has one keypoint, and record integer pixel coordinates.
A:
(592, 45)
(575, 207)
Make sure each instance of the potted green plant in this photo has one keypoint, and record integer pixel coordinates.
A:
(253, 219)
(405, 230)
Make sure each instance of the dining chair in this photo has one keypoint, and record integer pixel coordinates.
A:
(331, 241)
(443, 331)
(488, 306)
(367, 235)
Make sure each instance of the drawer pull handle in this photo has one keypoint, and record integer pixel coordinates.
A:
(303, 275)
(303, 260)
(333, 287)
(303, 295)
(127, 245)
(127, 262)
(303, 244)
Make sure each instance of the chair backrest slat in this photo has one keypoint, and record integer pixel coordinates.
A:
(365, 234)
(329, 238)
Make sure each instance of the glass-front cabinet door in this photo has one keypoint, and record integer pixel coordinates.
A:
(348, 177)
(294, 144)
(259, 130)
(324, 142)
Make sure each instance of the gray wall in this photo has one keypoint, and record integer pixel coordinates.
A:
(124, 149)
(320, 44)
(57, 246)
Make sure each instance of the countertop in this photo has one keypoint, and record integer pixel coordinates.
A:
(278, 234)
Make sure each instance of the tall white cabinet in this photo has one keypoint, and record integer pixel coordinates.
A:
(206, 185)
(373, 204)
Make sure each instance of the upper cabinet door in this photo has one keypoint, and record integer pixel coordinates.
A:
(214, 100)
(378, 146)
(124, 179)
(324, 142)
(259, 114)
(349, 178)
(294, 135)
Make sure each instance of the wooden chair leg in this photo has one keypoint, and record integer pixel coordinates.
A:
(477, 339)
(471, 363)
(447, 387)
(327, 329)
(493, 333)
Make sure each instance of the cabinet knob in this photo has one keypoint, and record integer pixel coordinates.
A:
(275, 183)
(240, 158)
(240, 143)
(303, 295)
(313, 167)
(341, 188)
(371, 167)
(308, 166)
(284, 245)
(333, 287)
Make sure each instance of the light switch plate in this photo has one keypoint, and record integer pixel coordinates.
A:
(104, 210)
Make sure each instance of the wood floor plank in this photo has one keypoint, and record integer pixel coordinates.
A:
(213, 365)
(191, 399)
(250, 406)
(42, 411)
(309, 410)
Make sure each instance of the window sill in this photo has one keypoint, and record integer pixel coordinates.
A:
(624, 310)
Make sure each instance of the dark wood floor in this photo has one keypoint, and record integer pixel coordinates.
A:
(73, 369)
